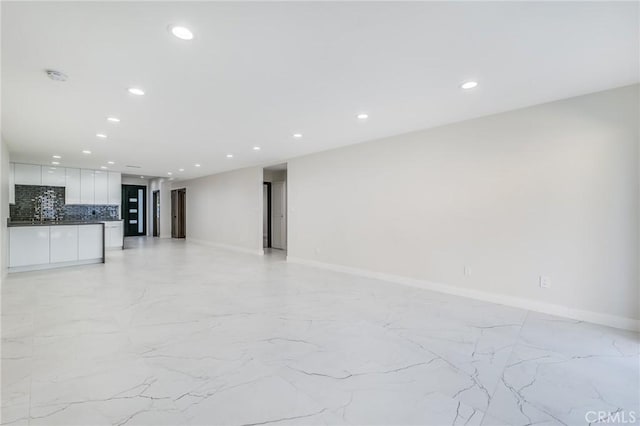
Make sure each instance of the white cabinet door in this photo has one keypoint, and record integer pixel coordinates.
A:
(87, 190)
(63, 243)
(72, 190)
(90, 243)
(27, 174)
(101, 187)
(28, 245)
(113, 234)
(117, 235)
(54, 176)
(12, 183)
(115, 188)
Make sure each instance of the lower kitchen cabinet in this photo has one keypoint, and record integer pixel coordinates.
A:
(113, 235)
(29, 245)
(63, 243)
(37, 246)
(87, 237)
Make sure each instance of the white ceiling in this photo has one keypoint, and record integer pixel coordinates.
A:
(256, 73)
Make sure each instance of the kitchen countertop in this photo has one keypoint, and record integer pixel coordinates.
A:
(12, 223)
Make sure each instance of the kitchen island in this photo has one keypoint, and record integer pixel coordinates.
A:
(36, 245)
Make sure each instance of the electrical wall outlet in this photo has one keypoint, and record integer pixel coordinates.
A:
(545, 282)
(467, 271)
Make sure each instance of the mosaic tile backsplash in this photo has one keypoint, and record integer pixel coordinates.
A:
(47, 203)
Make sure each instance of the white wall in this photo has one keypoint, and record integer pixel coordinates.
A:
(547, 190)
(4, 210)
(225, 209)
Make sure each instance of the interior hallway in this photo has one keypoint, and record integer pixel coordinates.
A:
(178, 333)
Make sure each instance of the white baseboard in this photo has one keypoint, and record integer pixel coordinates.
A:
(238, 249)
(45, 266)
(531, 305)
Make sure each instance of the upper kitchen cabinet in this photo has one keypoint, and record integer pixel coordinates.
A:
(72, 190)
(82, 186)
(101, 187)
(53, 176)
(115, 188)
(87, 191)
(27, 174)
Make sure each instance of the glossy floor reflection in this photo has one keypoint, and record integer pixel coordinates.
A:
(172, 333)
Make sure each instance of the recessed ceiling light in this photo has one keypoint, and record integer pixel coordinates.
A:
(113, 119)
(256, 148)
(86, 151)
(136, 91)
(110, 162)
(181, 170)
(182, 33)
(469, 84)
(56, 156)
(55, 163)
(363, 116)
(297, 135)
(229, 155)
(169, 173)
(197, 165)
(101, 135)
(103, 167)
(141, 177)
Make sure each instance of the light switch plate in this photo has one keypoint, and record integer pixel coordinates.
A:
(545, 282)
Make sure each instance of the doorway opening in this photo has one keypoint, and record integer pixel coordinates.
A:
(178, 213)
(274, 209)
(156, 213)
(134, 200)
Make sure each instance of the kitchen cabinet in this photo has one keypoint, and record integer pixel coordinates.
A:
(63, 243)
(113, 234)
(28, 246)
(115, 188)
(12, 183)
(72, 187)
(87, 192)
(82, 186)
(90, 242)
(101, 187)
(36, 246)
(53, 176)
(27, 174)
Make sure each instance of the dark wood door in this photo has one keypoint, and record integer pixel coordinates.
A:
(134, 200)
(156, 213)
(178, 213)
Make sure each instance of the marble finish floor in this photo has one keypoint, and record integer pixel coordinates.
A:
(172, 333)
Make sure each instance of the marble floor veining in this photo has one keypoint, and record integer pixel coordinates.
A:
(172, 333)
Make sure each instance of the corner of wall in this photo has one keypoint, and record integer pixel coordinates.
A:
(4, 208)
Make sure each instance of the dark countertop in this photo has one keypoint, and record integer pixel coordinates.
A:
(12, 223)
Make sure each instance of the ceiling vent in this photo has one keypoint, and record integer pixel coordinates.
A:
(56, 75)
(133, 167)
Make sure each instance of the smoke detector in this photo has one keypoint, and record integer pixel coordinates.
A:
(56, 75)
